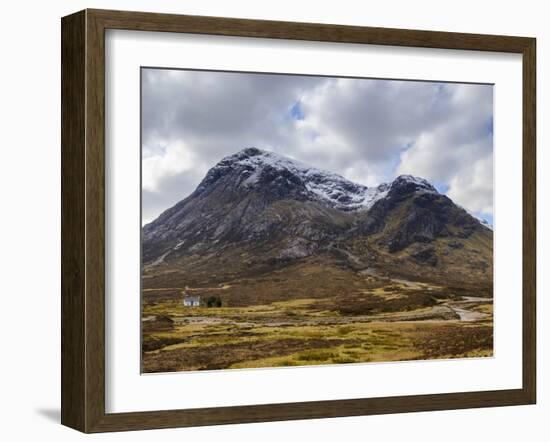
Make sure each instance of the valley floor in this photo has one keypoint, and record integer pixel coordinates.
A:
(388, 320)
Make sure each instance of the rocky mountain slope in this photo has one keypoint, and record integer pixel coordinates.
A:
(256, 211)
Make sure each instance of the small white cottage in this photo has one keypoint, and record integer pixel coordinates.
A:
(191, 301)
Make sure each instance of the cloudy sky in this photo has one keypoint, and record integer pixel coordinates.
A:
(369, 131)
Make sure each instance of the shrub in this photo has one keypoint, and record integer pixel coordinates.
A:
(214, 301)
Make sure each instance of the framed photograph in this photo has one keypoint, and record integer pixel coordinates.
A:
(267, 220)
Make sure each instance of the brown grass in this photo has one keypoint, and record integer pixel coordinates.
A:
(309, 315)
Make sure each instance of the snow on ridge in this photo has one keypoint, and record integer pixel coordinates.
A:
(419, 183)
(414, 179)
(327, 186)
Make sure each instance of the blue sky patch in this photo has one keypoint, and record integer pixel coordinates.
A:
(441, 187)
(296, 111)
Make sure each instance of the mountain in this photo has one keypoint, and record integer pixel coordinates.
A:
(256, 212)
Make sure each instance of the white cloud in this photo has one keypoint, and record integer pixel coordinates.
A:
(176, 158)
(367, 130)
(473, 187)
(458, 152)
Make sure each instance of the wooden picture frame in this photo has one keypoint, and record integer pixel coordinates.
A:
(83, 220)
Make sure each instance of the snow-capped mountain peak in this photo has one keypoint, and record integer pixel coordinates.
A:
(322, 185)
(260, 204)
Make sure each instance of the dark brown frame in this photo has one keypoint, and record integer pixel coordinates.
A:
(83, 216)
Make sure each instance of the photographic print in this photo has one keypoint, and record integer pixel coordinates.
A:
(293, 220)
